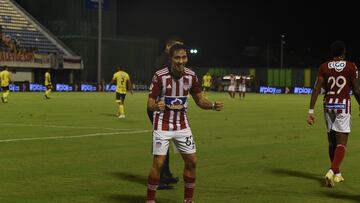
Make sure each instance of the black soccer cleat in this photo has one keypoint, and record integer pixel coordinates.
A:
(163, 186)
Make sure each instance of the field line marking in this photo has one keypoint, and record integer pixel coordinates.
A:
(73, 136)
(59, 126)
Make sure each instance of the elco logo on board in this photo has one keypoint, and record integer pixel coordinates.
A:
(337, 65)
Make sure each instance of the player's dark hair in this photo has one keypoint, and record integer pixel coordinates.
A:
(177, 47)
(337, 48)
(173, 39)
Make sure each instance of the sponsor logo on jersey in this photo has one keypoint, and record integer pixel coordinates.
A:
(158, 144)
(334, 106)
(337, 65)
(175, 103)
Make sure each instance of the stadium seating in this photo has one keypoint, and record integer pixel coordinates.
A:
(21, 27)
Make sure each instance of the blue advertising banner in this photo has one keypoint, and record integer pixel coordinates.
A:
(64, 88)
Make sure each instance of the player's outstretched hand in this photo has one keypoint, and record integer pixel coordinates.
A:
(161, 105)
(310, 119)
(218, 105)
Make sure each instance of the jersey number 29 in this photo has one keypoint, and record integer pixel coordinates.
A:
(340, 83)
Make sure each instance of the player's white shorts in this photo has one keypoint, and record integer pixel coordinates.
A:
(182, 139)
(242, 88)
(339, 122)
(231, 88)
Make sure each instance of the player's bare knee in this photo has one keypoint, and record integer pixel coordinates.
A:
(158, 161)
(191, 163)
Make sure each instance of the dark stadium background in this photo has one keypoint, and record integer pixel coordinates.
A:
(226, 33)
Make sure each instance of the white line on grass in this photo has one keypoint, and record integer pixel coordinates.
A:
(60, 126)
(74, 136)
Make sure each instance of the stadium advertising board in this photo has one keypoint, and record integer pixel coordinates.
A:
(88, 88)
(64, 88)
(302, 90)
(14, 87)
(36, 87)
(23, 57)
(110, 88)
(270, 90)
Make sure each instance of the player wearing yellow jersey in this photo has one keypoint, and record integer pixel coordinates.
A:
(48, 84)
(5, 79)
(123, 83)
(206, 84)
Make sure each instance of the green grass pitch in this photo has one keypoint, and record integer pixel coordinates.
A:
(72, 149)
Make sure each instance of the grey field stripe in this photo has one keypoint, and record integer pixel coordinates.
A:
(74, 136)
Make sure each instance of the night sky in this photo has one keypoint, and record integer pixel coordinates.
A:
(244, 34)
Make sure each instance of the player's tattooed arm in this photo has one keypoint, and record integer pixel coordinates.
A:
(203, 103)
(152, 105)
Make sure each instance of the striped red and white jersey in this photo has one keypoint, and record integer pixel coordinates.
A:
(232, 81)
(338, 76)
(242, 80)
(174, 92)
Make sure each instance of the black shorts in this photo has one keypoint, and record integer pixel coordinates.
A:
(120, 97)
(206, 88)
(5, 88)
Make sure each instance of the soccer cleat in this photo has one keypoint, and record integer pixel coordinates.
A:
(338, 178)
(163, 186)
(121, 116)
(329, 178)
(169, 179)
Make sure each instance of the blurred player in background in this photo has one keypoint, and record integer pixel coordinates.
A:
(166, 177)
(232, 86)
(123, 83)
(206, 84)
(338, 77)
(168, 101)
(48, 84)
(5, 80)
(242, 85)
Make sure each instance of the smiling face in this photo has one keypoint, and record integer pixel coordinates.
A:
(178, 61)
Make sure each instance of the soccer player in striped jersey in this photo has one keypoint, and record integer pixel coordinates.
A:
(166, 176)
(242, 85)
(168, 99)
(338, 77)
(232, 86)
(48, 84)
(123, 83)
(5, 80)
